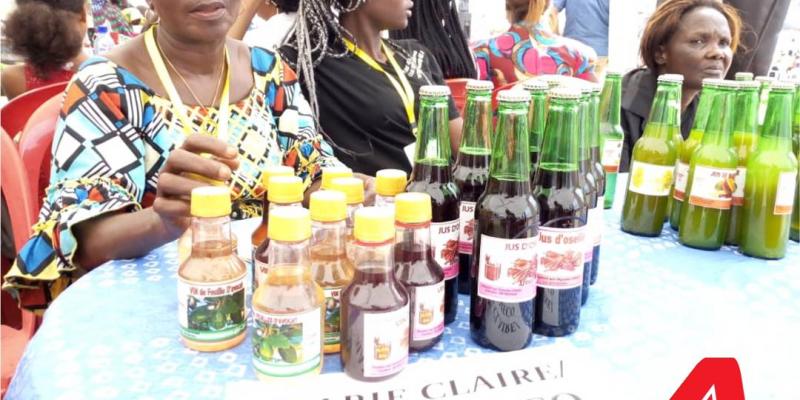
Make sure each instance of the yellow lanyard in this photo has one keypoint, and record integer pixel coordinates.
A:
(403, 88)
(163, 75)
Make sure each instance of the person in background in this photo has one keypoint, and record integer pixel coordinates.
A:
(358, 82)
(276, 19)
(179, 107)
(48, 35)
(763, 21)
(587, 22)
(694, 38)
(435, 24)
(529, 49)
(109, 13)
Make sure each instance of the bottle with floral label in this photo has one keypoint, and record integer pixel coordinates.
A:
(260, 233)
(375, 311)
(709, 190)
(504, 266)
(388, 184)
(745, 141)
(596, 221)
(417, 272)
(562, 212)
(587, 184)
(331, 173)
(536, 118)
(432, 174)
(771, 181)
(330, 267)
(284, 191)
(211, 281)
(653, 162)
(688, 147)
(611, 133)
(289, 306)
(472, 170)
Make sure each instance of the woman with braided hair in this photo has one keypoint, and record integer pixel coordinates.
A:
(358, 83)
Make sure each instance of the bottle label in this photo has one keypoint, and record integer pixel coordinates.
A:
(596, 222)
(444, 241)
(738, 193)
(385, 342)
(427, 321)
(332, 315)
(467, 227)
(507, 269)
(681, 178)
(259, 273)
(651, 179)
(784, 196)
(612, 152)
(286, 344)
(561, 257)
(211, 312)
(712, 187)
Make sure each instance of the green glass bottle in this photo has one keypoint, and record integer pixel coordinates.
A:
(611, 132)
(763, 95)
(745, 139)
(653, 162)
(536, 118)
(771, 181)
(794, 231)
(587, 183)
(688, 147)
(744, 76)
(709, 188)
(596, 214)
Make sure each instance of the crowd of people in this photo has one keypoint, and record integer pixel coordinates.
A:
(314, 83)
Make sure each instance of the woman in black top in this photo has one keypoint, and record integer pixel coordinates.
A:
(694, 38)
(349, 76)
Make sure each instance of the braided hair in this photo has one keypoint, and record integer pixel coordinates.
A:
(435, 23)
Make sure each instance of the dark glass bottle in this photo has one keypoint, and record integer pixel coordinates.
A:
(588, 185)
(596, 218)
(432, 174)
(562, 212)
(472, 169)
(504, 264)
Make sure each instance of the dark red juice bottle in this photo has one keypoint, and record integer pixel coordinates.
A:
(502, 299)
(587, 184)
(472, 170)
(596, 221)
(432, 174)
(562, 212)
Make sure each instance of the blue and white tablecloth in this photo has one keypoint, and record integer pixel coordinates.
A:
(114, 333)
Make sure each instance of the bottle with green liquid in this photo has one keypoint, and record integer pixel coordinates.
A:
(771, 181)
(611, 133)
(688, 147)
(794, 231)
(763, 95)
(745, 139)
(710, 186)
(653, 162)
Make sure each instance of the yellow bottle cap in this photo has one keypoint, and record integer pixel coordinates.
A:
(331, 173)
(211, 202)
(328, 206)
(412, 208)
(390, 182)
(353, 189)
(274, 170)
(289, 224)
(285, 189)
(373, 224)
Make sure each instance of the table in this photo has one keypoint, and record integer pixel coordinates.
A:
(657, 304)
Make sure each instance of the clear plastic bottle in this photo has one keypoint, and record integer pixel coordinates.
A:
(285, 191)
(353, 189)
(260, 233)
(388, 184)
(103, 42)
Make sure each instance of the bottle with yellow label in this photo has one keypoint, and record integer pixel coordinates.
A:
(211, 281)
(284, 191)
(331, 268)
(388, 184)
(289, 306)
(653, 162)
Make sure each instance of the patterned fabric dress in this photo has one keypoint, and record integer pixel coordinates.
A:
(114, 136)
(521, 53)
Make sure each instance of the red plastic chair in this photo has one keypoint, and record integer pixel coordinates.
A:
(35, 143)
(458, 89)
(15, 114)
(17, 198)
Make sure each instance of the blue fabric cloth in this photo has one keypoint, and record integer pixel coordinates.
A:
(587, 21)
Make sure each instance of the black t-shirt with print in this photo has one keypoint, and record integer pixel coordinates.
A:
(360, 110)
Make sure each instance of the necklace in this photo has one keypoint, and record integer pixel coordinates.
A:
(186, 84)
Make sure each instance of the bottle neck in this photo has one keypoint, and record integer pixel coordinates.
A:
(666, 109)
(374, 258)
(594, 121)
(720, 127)
(433, 143)
(610, 100)
(288, 254)
(265, 208)
(584, 122)
(703, 108)
(560, 148)
(414, 238)
(778, 121)
(331, 234)
(206, 231)
(477, 123)
(746, 108)
(536, 120)
(511, 159)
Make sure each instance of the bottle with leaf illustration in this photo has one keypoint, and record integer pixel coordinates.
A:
(211, 281)
(289, 306)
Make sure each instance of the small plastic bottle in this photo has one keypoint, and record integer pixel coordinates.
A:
(388, 184)
(284, 191)
(331, 173)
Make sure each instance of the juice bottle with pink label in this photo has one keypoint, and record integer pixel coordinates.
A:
(504, 263)
(709, 189)
(597, 221)
(432, 175)
(588, 184)
(745, 141)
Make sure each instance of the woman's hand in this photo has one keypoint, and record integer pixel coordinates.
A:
(369, 188)
(198, 162)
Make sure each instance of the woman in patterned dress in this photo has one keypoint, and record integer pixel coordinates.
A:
(530, 49)
(128, 150)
